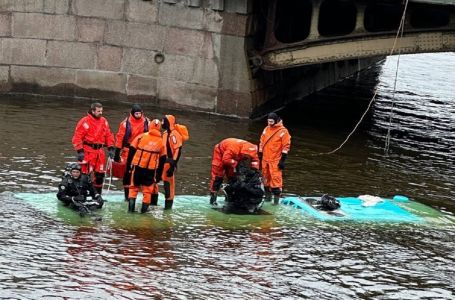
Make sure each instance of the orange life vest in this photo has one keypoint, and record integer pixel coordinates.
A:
(149, 148)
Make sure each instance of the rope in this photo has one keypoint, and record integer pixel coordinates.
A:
(398, 35)
(389, 128)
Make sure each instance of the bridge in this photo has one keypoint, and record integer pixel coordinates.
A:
(309, 32)
(230, 57)
(301, 47)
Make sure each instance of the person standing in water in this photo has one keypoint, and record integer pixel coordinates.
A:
(146, 159)
(91, 135)
(274, 147)
(132, 126)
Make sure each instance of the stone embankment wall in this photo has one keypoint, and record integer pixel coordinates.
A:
(173, 53)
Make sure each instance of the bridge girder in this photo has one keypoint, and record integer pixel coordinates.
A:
(361, 41)
(322, 52)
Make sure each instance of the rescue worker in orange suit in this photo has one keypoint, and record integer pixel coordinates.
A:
(91, 135)
(226, 156)
(173, 142)
(132, 126)
(146, 158)
(273, 150)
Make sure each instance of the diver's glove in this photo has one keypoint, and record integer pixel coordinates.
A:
(80, 154)
(171, 169)
(213, 199)
(117, 155)
(217, 182)
(158, 177)
(111, 152)
(281, 162)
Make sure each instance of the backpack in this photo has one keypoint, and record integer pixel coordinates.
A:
(183, 131)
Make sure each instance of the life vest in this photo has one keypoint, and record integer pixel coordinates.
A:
(127, 135)
(149, 148)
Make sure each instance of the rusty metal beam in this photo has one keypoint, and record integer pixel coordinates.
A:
(439, 2)
(359, 47)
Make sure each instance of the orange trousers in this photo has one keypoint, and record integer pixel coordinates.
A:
(94, 164)
(272, 175)
(147, 191)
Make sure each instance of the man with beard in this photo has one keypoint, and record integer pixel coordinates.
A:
(91, 135)
(273, 150)
(132, 126)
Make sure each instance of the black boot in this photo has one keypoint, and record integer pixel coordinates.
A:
(276, 199)
(144, 208)
(126, 191)
(168, 204)
(131, 205)
(154, 201)
(99, 189)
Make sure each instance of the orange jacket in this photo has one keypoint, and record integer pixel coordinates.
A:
(232, 150)
(149, 149)
(172, 139)
(275, 140)
(93, 131)
(136, 127)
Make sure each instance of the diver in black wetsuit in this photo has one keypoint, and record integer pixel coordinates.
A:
(74, 189)
(327, 203)
(245, 191)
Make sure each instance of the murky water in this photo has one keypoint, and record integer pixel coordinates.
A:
(191, 255)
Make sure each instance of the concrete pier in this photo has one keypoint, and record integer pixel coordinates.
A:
(184, 54)
(231, 57)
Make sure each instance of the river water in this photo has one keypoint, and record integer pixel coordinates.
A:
(190, 256)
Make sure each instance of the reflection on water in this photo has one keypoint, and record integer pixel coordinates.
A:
(210, 255)
(201, 258)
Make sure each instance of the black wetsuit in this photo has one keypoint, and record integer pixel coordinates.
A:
(74, 192)
(244, 192)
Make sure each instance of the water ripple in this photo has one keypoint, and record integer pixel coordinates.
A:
(194, 253)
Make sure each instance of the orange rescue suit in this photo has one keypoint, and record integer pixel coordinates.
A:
(173, 142)
(227, 154)
(92, 135)
(275, 141)
(146, 160)
(136, 127)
